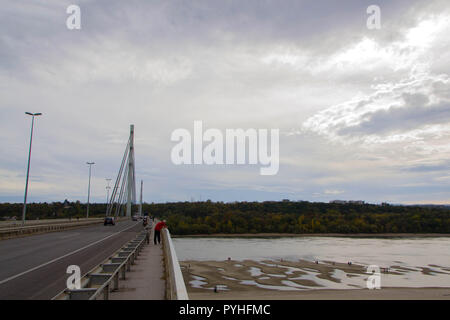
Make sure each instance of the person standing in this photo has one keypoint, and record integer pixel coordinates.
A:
(158, 228)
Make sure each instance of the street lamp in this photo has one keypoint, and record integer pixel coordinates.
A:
(28, 167)
(89, 187)
(107, 190)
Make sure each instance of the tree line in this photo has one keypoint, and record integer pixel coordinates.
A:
(52, 210)
(190, 218)
(300, 217)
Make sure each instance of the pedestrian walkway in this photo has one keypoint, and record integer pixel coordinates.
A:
(145, 280)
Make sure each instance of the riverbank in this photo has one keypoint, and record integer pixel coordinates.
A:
(302, 235)
(361, 294)
(281, 279)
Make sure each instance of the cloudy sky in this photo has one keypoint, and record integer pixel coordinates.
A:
(363, 114)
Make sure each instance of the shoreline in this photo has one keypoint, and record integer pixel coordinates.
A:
(331, 294)
(325, 280)
(304, 235)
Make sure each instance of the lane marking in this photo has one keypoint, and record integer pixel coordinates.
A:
(64, 256)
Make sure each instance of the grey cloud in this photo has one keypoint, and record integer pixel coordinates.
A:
(413, 114)
(226, 86)
(427, 168)
(33, 29)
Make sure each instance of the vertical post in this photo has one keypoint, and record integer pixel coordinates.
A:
(116, 281)
(28, 167)
(130, 171)
(89, 187)
(107, 190)
(106, 292)
(124, 271)
(140, 202)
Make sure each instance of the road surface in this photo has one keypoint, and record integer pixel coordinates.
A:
(35, 267)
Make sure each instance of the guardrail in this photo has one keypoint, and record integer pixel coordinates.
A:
(175, 286)
(8, 233)
(105, 277)
(8, 224)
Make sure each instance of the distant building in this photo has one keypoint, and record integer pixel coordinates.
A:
(356, 202)
(349, 202)
(338, 201)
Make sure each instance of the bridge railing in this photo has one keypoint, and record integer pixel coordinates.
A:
(103, 279)
(13, 232)
(175, 286)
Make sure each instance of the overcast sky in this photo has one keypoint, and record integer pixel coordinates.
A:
(363, 114)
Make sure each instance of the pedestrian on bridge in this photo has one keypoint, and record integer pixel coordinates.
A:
(159, 226)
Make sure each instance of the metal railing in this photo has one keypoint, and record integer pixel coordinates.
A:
(9, 224)
(175, 286)
(8, 233)
(105, 278)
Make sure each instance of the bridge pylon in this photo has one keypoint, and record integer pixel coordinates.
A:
(124, 191)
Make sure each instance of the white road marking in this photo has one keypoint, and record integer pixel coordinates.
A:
(64, 256)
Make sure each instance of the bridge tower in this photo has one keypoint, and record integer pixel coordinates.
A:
(124, 191)
(140, 200)
(131, 185)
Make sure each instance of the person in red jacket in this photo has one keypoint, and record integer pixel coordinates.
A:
(158, 228)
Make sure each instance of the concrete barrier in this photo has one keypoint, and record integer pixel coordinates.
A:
(175, 287)
(15, 232)
(104, 278)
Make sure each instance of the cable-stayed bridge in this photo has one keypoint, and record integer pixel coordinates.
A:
(37, 260)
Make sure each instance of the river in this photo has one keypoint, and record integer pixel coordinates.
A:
(426, 259)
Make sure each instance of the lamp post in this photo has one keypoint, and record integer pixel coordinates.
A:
(28, 167)
(89, 187)
(107, 190)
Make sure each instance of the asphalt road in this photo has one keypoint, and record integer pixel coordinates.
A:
(35, 267)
